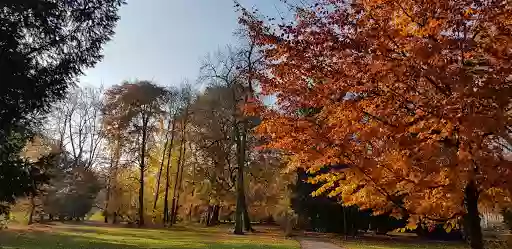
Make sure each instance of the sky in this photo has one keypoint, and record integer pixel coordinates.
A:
(166, 40)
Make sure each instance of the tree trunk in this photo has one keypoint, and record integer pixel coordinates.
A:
(32, 210)
(142, 168)
(209, 215)
(214, 220)
(164, 151)
(114, 163)
(241, 218)
(473, 217)
(179, 171)
(240, 193)
(167, 174)
(180, 180)
(247, 220)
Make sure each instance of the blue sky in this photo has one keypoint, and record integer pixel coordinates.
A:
(165, 40)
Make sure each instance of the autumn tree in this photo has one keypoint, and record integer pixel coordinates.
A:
(134, 107)
(167, 131)
(235, 70)
(211, 133)
(411, 97)
(186, 97)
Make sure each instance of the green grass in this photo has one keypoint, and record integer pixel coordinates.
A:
(89, 237)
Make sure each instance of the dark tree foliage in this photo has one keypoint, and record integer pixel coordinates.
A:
(507, 218)
(325, 214)
(44, 46)
(72, 191)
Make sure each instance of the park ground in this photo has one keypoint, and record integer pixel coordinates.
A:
(98, 236)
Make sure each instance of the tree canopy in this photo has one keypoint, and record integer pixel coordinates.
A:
(413, 96)
(45, 44)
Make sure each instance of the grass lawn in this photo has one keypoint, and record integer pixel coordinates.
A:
(373, 244)
(98, 237)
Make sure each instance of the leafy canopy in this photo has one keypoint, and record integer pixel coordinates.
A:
(413, 96)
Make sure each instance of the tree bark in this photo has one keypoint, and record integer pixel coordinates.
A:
(247, 220)
(473, 216)
(215, 215)
(32, 210)
(180, 180)
(164, 151)
(145, 121)
(179, 170)
(167, 172)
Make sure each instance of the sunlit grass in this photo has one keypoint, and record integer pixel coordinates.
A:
(71, 236)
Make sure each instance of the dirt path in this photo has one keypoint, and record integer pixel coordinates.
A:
(307, 243)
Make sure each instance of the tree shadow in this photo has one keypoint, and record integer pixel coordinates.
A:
(47, 240)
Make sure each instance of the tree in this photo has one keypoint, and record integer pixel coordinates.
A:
(236, 71)
(45, 46)
(76, 123)
(44, 158)
(72, 190)
(135, 108)
(413, 96)
(211, 133)
(185, 99)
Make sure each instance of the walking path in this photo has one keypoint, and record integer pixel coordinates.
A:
(306, 243)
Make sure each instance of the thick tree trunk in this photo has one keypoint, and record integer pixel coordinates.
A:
(240, 192)
(214, 220)
(247, 220)
(212, 215)
(473, 216)
(142, 169)
(167, 174)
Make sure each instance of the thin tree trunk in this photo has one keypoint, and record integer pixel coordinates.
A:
(180, 181)
(174, 191)
(179, 169)
(164, 151)
(107, 199)
(473, 216)
(209, 216)
(142, 168)
(32, 210)
(114, 163)
(167, 174)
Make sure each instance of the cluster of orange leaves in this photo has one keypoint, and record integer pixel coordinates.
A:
(414, 96)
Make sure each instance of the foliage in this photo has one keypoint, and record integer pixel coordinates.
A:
(413, 96)
(134, 109)
(45, 45)
(322, 213)
(72, 193)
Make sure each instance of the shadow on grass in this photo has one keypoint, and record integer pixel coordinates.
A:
(118, 238)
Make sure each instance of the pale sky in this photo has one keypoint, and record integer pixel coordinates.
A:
(166, 40)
